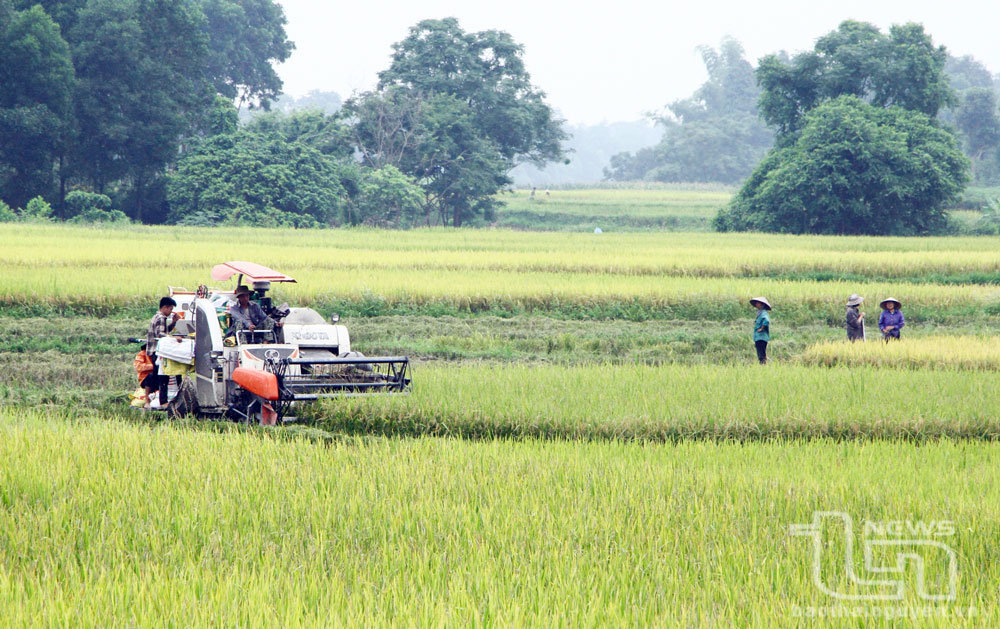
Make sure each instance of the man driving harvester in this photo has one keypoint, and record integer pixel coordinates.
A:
(248, 315)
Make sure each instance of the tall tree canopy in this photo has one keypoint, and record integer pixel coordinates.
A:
(456, 111)
(713, 136)
(859, 149)
(903, 68)
(853, 169)
(36, 84)
(121, 86)
(976, 116)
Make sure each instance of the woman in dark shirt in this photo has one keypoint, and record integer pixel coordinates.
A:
(855, 319)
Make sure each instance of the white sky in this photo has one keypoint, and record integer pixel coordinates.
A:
(611, 62)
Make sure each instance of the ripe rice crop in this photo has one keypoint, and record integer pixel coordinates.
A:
(935, 352)
(109, 523)
(662, 275)
(673, 402)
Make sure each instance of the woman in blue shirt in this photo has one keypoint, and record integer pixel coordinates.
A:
(890, 322)
(761, 327)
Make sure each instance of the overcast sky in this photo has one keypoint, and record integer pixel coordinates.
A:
(613, 62)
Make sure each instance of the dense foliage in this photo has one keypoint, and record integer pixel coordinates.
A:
(853, 169)
(456, 111)
(102, 95)
(976, 116)
(713, 136)
(858, 149)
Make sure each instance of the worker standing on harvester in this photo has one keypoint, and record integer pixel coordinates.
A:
(160, 325)
(248, 315)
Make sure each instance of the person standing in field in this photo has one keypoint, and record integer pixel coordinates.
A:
(890, 322)
(855, 318)
(160, 325)
(761, 327)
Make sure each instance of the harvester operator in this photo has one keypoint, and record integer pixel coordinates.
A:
(248, 315)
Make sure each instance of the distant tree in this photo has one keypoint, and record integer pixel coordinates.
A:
(386, 198)
(246, 39)
(902, 69)
(325, 101)
(966, 72)
(978, 120)
(853, 168)
(141, 80)
(260, 179)
(713, 136)
(455, 111)
(975, 116)
(626, 166)
(36, 86)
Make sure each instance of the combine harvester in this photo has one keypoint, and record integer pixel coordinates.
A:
(260, 376)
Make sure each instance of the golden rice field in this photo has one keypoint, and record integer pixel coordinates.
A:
(931, 351)
(105, 522)
(565, 469)
(676, 402)
(478, 270)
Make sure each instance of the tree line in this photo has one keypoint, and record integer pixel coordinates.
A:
(135, 104)
(136, 109)
(870, 132)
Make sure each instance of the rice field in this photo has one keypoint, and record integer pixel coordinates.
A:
(678, 402)
(652, 201)
(106, 522)
(924, 352)
(588, 442)
(665, 276)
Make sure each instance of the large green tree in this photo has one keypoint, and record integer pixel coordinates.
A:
(456, 111)
(853, 169)
(147, 76)
(141, 68)
(859, 148)
(486, 72)
(902, 68)
(246, 39)
(36, 83)
(249, 178)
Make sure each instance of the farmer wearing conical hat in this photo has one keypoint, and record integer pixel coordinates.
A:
(855, 318)
(890, 322)
(761, 327)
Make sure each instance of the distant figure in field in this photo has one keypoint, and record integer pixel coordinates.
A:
(547, 193)
(890, 322)
(761, 327)
(532, 196)
(855, 319)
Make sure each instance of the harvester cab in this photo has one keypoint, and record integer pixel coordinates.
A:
(261, 375)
